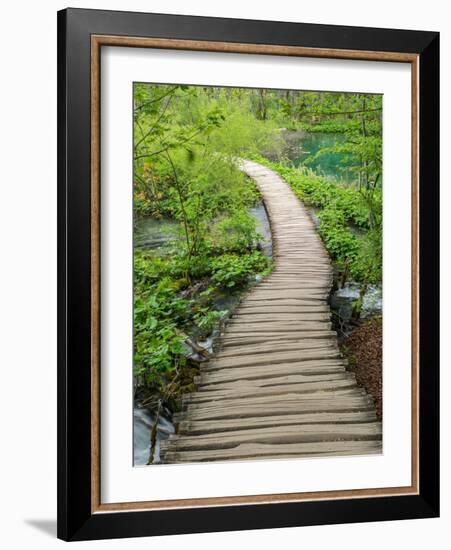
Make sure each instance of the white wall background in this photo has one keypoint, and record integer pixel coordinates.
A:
(28, 272)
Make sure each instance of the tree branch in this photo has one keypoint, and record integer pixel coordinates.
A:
(145, 136)
(139, 107)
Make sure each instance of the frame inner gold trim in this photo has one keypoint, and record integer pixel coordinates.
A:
(97, 41)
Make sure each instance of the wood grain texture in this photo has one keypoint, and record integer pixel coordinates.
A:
(95, 276)
(259, 49)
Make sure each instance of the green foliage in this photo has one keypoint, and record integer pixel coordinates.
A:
(158, 312)
(206, 320)
(340, 242)
(185, 141)
(367, 266)
(232, 270)
(233, 233)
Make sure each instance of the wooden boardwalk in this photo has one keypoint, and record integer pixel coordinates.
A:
(277, 386)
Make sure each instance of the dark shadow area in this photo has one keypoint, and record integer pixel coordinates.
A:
(46, 526)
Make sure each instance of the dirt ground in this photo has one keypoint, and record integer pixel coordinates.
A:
(363, 349)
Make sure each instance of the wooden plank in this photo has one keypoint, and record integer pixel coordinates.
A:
(231, 342)
(259, 338)
(265, 451)
(278, 323)
(343, 403)
(277, 329)
(272, 358)
(268, 371)
(192, 427)
(240, 383)
(277, 390)
(262, 302)
(286, 394)
(269, 310)
(300, 296)
(272, 316)
(290, 293)
(306, 344)
(306, 433)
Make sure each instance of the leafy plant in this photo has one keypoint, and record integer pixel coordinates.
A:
(232, 271)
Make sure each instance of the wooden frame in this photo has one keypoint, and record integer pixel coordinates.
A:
(82, 33)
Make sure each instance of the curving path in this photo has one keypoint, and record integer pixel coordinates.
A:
(278, 387)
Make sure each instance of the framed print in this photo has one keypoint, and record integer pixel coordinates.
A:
(248, 274)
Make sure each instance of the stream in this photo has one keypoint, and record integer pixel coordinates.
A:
(150, 233)
(143, 420)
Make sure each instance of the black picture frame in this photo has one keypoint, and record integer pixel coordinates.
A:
(76, 520)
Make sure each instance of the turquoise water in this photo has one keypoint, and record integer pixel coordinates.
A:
(301, 148)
